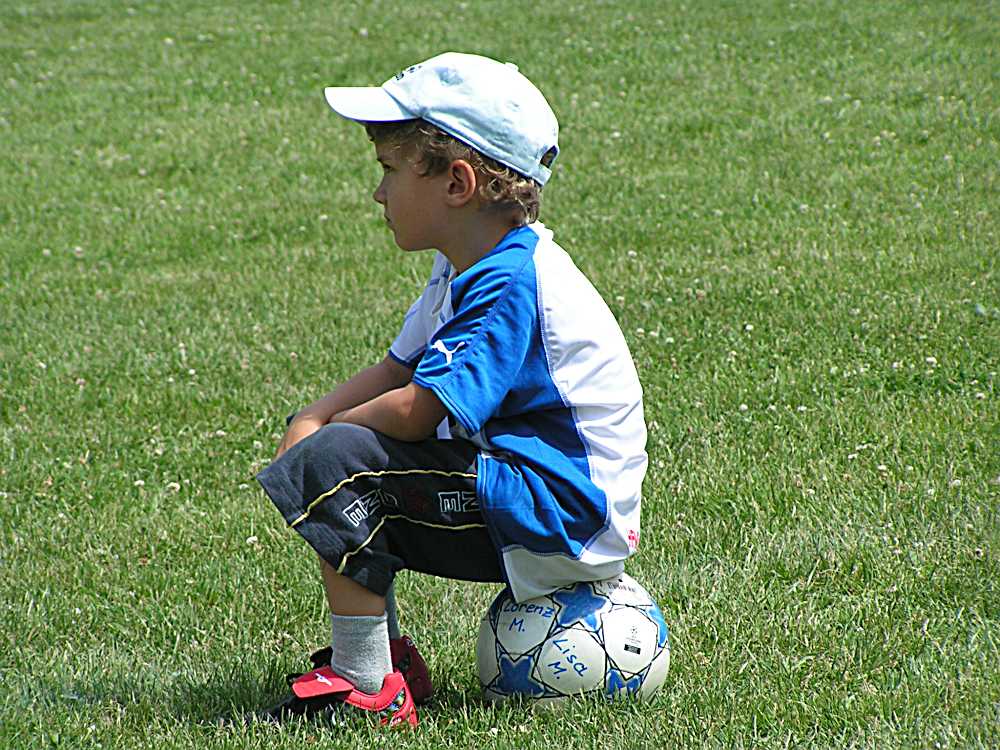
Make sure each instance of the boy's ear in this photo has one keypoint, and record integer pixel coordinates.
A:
(462, 183)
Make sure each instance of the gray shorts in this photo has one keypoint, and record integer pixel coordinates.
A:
(371, 505)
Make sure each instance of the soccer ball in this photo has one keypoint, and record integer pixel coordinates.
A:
(604, 638)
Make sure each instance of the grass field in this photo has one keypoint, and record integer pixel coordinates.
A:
(792, 208)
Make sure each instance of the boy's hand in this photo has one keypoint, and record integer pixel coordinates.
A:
(299, 429)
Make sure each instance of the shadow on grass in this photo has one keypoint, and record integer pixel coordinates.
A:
(234, 698)
(151, 695)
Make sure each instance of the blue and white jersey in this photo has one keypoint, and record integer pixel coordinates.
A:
(533, 368)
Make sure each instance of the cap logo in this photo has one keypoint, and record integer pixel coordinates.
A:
(412, 69)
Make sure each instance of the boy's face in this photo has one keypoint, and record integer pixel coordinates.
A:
(412, 203)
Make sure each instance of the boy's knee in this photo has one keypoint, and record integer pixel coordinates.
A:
(342, 435)
(348, 446)
(346, 429)
(355, 440)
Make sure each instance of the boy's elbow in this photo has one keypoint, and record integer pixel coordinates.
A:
(424, 414)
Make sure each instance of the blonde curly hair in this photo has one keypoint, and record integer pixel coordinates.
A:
(501, 188)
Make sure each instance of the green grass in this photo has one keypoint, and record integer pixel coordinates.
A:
(790, 206)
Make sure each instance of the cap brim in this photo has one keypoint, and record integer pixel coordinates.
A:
(365, 104)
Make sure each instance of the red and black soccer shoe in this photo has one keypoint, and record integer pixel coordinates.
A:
(405, 659)
(323, 694)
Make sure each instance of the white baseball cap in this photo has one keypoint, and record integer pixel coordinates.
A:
(486, 104)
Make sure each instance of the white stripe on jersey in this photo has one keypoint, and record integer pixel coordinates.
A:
(591, 366)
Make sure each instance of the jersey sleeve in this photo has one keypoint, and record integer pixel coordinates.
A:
(422, 318)
(408, 346)
(473, 359)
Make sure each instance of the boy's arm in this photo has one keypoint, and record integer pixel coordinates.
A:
(408, 413)
(371, 382)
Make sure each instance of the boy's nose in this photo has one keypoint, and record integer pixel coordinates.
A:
(379, 195)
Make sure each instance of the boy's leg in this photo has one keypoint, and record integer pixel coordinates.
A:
(371, 505)
(359, 634)
(347, 598)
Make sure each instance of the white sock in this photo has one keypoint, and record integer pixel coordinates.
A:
(361, 651)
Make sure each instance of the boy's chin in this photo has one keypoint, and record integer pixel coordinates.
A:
(411, 248)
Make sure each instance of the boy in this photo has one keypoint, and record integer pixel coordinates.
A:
(502, 437)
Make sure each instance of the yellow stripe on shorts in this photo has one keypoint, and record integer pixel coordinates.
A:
(378, 527)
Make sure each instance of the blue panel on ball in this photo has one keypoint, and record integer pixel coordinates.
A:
(663, 632)
(616, 683)
(579, 604)
(515, 678)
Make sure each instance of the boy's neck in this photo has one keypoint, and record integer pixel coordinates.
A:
(473, 239)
